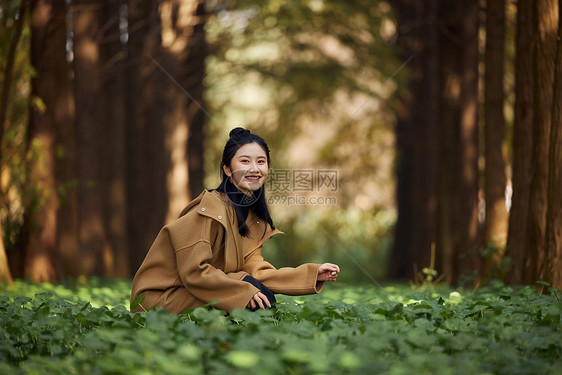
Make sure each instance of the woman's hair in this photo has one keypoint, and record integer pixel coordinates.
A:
(241, 203)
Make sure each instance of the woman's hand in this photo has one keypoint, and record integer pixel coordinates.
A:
(259, 299)
(328, 272)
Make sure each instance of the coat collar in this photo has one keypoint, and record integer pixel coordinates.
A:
(215, 205)
(212, 204)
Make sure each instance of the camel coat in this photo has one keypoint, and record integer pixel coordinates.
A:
(201, 258)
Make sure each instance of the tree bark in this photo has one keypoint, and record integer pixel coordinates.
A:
(48, 57)
(545, 24)
(165, 75)
(554, 203)
(522, 142)
(8, 70)
(182, 69)
(495, 231)
(457, 225)
(99, 57)
(416, 131)
(5, 274)
(90, 119)
(146, 178)
(116, 254)
(67, 183)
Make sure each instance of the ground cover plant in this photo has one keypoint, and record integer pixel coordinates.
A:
(86, 328)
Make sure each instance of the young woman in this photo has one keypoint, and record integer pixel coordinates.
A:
(212, 252)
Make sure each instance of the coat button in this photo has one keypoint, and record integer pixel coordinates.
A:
(220, 217)
(203, 209)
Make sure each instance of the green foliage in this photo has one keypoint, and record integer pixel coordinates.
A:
(395, 330)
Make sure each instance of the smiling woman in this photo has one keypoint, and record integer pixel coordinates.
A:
(211, 255)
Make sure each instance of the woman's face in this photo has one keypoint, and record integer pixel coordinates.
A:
(248, 168)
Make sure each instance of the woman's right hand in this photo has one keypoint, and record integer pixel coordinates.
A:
(259, 299)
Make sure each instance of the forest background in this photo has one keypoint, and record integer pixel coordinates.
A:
(411, 139)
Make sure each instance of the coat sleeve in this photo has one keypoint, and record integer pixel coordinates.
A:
(206, 282)
(287, 280)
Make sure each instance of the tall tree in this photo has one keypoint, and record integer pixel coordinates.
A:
(90, 111)
(545, 24)
(457, 226)
(146, 209)
(437, 139)
(113, 50)
(165, 65)
(554, 203)
(5, 274)
(517, 241)
(416, 131)
(98, 59)
(495, 231)
(182, 65)
(52, 107)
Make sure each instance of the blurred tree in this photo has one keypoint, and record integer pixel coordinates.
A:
(5, 274)
(51, 106)
(114, 52)
(142, 40)
(165, 71)
(416, 139)
(98, 56)
(534, 178)
(517, 248)
(88, 64)
(496, 216)
(545, 22)
(554, 202)
(181, 63)
(457, 198)
(449, 61)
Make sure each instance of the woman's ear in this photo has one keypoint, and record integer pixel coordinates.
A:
(226, 170)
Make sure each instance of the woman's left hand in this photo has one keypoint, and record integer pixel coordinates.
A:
(328, 272)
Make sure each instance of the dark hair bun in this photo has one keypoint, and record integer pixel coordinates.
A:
(239, 132)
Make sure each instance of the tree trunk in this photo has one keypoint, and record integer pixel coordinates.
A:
(67, 182)
(416, 131)
(116, 254)
(182, 68)
(495, 231)
(195, 73)
(457, 226)
(9, 69)
(545, 24)
(147, 204)
(48, 57)
(90, 119)
(554, 204)
(522, 142)
(164, 127)
(5, 274)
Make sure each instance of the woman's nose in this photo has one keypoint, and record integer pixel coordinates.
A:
(254, 166)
